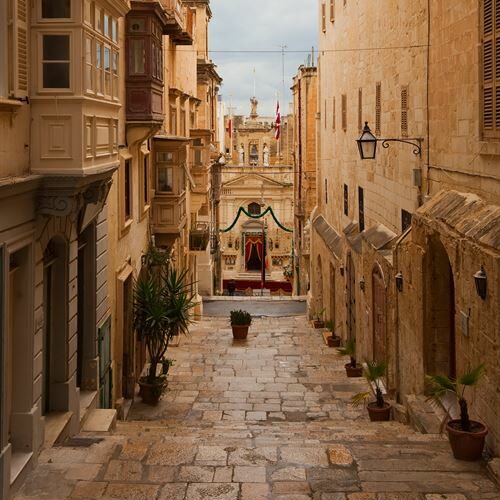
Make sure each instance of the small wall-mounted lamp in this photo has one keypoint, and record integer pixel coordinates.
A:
(399, 281)
(481, 282)
(367, 144)
(362, 283)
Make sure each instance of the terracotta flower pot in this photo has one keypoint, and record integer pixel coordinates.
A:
(353, 371)
(151, 393)
(333, 341)
(377, 414)
(467, 445)
(318, 323)
(240, 332)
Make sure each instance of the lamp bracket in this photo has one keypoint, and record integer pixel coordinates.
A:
(416, 142)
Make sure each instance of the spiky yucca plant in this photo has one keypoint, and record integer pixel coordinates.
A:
(162, 305)
(439, 385)
(373, 373)
(349, 350)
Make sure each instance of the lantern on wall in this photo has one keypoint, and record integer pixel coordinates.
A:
(481, 281)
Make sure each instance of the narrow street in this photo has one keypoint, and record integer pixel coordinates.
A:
(266, 418)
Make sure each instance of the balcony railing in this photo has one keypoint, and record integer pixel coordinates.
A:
(199, 238)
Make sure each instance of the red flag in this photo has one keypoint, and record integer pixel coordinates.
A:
(230, 127)
(277, 125)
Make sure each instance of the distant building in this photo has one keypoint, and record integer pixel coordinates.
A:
(257, 178)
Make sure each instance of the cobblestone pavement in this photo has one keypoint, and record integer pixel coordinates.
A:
(263, 419)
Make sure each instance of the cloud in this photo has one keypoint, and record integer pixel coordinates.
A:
(260, 25)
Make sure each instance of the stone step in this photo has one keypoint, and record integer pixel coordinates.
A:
(88, 402)
(100, 421)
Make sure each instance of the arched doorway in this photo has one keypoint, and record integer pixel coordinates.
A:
(55, 338)
(319, 286)
(350, 298)
(332, 296)
(439, 330)
(379, 316)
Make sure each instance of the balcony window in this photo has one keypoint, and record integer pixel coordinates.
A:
(56, 61)
(89, 66)
(56, 9)
(165, 179)
(114, 30)
(98, 67)
(98, 19)
(114, 68)
(137, 57)
(106, 26)
(107, 71)
(146, 179)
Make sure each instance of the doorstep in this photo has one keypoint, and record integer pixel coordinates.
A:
(88, 402)
(100, 421)
(56, 428)
(18, 466)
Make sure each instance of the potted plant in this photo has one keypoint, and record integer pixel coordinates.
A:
(466, 436)
(162, 305)
(333, 340)
(318, 320)
(352, 368)
(378, 410)
(240, 323)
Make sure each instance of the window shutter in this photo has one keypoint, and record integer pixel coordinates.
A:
(488, 66)
(19, 81)
(344, 112)
(360, 110)
(333, 115)
(378, 108)
(404, 111)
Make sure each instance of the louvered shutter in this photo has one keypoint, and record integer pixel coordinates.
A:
(488, 66)
(344, 112)
(378, 108)
(404, 111)
(19, 81)
(360, 110)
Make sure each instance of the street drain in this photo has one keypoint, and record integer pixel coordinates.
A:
(80, 442)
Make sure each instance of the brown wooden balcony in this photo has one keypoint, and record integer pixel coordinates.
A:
(199, 237)
(181, 22)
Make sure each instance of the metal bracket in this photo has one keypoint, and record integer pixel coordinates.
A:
(413, 141)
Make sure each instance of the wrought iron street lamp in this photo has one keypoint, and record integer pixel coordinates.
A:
(481, 282)
(367, 144)
(399, 281)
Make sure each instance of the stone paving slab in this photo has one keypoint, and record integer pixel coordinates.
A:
(265, 419)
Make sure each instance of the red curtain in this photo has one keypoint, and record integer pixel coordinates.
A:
(250, 242)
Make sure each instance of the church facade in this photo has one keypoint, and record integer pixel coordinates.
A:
(256, 207)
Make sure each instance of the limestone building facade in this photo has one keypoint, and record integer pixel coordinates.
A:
(398, 241)
(81, 158)
(305, 95)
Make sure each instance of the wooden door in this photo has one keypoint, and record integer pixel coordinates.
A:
(351, 298)
(379, 318)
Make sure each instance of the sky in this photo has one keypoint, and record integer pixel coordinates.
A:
(252, 25)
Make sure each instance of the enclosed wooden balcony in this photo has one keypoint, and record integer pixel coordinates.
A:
(145, 24)
(199, 237)
(180, 23)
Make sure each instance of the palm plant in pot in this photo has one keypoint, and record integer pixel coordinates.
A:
(466, 436)
(352, 368)
(333, 340)
(240, 323)
(318, 320)
(162, 305)
(378, 410)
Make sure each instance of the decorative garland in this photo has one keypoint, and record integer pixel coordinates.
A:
(268, 210)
